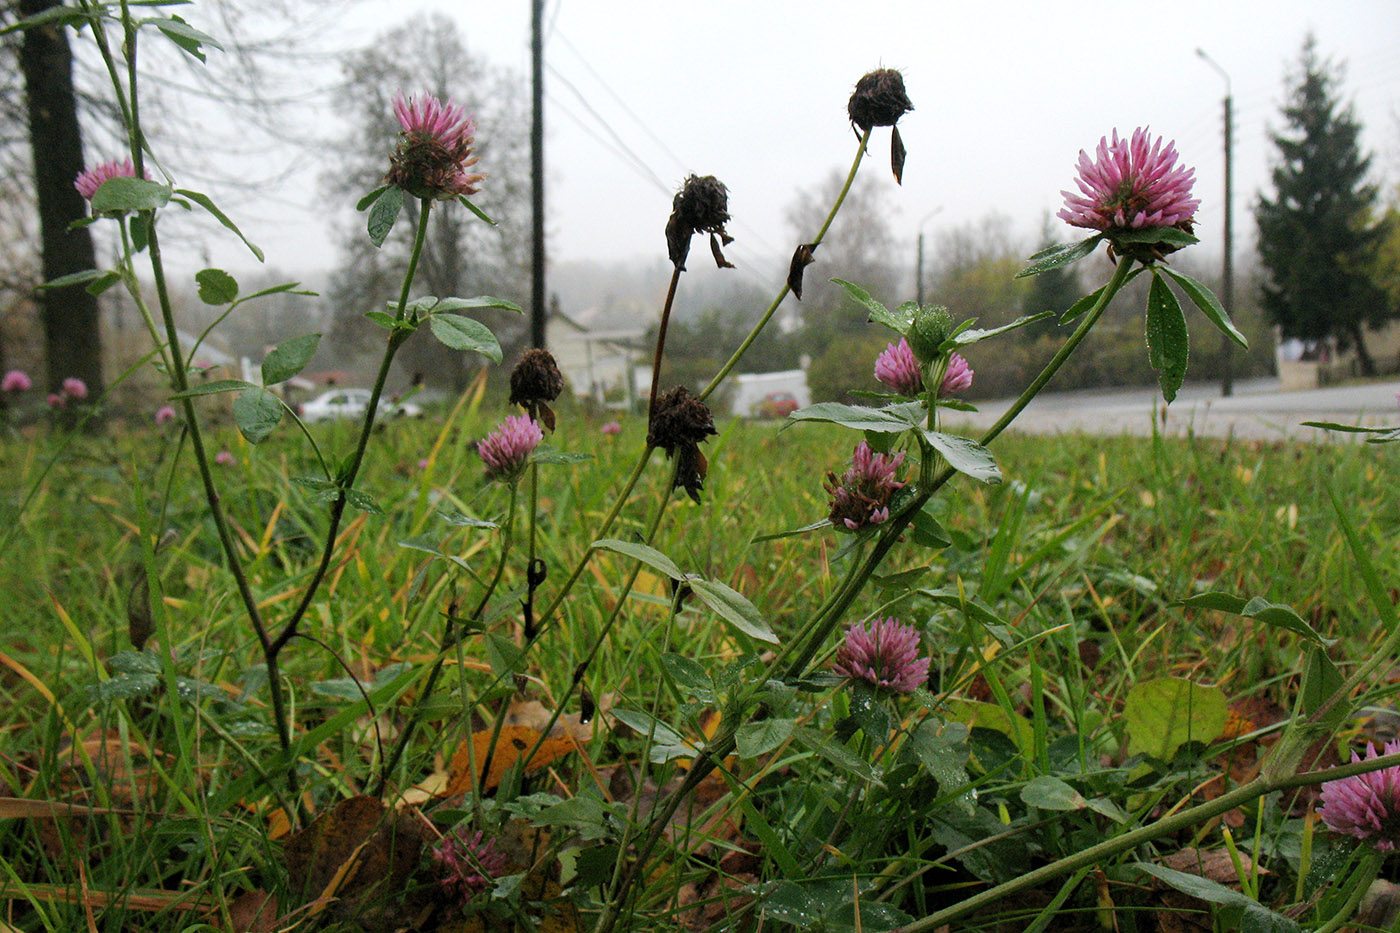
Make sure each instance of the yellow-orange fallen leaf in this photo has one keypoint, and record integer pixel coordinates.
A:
(513, 744)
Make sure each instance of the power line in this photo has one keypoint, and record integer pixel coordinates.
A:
(622, 103)
(607, 127)
(613, 146)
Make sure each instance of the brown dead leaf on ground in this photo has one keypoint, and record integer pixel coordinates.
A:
(708, 903)
(253, 912)
(1178, 912)
(1213, 864)
(353, 856)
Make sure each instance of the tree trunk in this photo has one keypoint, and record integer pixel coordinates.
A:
(72, 330)
(1363, 356)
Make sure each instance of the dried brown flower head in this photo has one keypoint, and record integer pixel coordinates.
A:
(679, 425)
(879, 100)
(701, 206)
(535, 382)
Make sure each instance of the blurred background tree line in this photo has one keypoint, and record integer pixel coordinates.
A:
(968, 267)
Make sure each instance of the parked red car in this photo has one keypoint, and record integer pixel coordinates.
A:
(777, 405)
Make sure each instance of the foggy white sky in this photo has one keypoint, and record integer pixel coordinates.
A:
(1005, 95)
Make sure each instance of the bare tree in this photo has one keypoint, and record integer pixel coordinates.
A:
(859, 248)
(72, 333)
(462, 255)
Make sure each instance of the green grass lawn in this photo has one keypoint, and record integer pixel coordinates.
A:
(1057, 595)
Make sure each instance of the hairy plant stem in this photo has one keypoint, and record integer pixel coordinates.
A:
(645, 458)
(661, 341)
(133, 290)
(783, 292)
(1365, 874)
(895, 527)
(1183, 819)
(449, 640)
(821, 626)
(1091, 317)
(545, 616)
(582, 668)
(180, 379)
(346, 480)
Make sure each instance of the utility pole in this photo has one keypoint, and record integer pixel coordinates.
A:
(919, 267)
(537, 299)
(1227, 291)
(919, 274)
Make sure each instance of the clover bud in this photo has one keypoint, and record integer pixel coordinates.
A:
(931, 326)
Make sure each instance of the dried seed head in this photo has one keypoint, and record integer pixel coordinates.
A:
(678, 426)
(534, 383)
(701, 206)
(879, 99)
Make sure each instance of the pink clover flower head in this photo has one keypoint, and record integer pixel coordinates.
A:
(612, 428)
(16, 380)
(57, 400)
(90, 180)
(861, 497)
(74, 387)
(224, 458)
(957, 377)
(886, 654)
(506, 450)
(435, 149)
(165, 414)
(1131, 185)
(1366, 806)
(897, 368)
(465, 864)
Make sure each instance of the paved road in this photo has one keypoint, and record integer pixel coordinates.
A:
(1257, 410)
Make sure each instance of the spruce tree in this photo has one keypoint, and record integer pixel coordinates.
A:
(1317, 234)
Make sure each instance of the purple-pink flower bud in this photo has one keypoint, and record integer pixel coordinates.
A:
(224, 458)
(612, 428)
(886, 654)
(506, 450)
(435, 150)
(16, 380)
(861, 497)
(74, 387)
(1366, 806)
(897, 368)
(957, 377)
(1132, 185)
(165, 414)
(89, 181)
(466, 864)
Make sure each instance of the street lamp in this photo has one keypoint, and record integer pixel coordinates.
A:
(1227, 385)
(919, 269)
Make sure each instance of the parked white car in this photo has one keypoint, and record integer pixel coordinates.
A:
(352, 403)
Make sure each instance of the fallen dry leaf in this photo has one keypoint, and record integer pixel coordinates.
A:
(513, 743)
(253, 912)
(1214, 864)
(354, 852)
